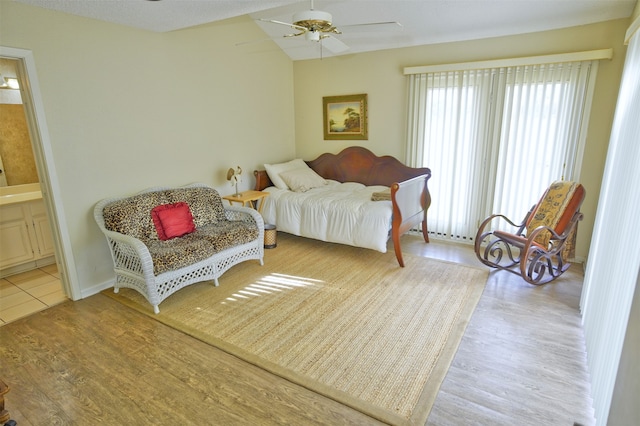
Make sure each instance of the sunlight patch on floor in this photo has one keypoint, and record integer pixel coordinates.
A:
(270, 284)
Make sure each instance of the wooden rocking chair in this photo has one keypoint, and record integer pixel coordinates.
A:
(539, 248)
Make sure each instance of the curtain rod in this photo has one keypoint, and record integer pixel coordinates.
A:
(589, 55)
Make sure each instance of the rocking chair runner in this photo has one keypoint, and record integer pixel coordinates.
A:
(539, 248)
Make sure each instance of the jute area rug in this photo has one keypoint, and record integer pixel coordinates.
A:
(344, 322)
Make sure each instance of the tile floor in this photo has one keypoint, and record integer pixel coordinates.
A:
(28, 292)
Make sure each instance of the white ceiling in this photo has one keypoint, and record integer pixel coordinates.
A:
(423, 21)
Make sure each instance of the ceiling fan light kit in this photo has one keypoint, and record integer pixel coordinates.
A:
(312, 35)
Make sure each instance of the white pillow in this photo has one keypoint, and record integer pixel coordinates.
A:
(302, 180)
(274, 170)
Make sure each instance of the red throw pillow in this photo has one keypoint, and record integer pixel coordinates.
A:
(173, 220)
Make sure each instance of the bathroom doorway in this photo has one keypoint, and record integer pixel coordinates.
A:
(30, 281)
(43, 157)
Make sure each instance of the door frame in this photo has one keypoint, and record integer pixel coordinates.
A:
(43, 154)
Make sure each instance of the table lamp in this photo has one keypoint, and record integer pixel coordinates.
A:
(234, 176)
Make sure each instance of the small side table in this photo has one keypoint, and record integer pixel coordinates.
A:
(253, 199)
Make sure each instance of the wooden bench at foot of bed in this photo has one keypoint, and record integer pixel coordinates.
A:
(409, 192)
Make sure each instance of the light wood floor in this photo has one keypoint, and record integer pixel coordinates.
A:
(28, 292)
(521, 361)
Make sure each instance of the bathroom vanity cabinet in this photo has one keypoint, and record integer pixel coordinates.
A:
(25, 236)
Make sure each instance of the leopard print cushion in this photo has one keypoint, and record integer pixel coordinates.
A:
(205, 204)
(206, 241)
(132, 215)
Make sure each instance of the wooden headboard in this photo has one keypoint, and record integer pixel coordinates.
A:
(355, 164)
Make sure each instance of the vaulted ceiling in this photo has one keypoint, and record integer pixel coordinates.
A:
(421, 21)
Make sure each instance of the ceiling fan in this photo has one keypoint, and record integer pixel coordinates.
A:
(316, 25)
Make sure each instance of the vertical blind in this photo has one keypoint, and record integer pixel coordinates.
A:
(613, 270)
(496, 137)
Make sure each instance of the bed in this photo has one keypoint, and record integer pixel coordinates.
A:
(354, 197)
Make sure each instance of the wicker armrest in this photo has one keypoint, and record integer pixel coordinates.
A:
(130, 253)
(245, 214)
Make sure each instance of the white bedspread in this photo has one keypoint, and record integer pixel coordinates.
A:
(337, 212)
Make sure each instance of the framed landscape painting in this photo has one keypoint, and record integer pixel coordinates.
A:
(345, 117)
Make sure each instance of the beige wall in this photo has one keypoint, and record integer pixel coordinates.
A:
(379, 74)
(129, 109)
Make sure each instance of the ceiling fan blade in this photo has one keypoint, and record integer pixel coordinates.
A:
(333, 44)
(373, 26)
(294, 34)
(288, 24)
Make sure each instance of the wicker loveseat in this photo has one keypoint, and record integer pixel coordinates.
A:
(155, 253)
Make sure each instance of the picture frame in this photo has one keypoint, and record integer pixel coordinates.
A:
(345, 117)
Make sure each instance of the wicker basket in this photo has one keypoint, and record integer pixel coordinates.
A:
(270, 236)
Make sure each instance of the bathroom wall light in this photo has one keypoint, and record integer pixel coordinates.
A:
(12, 83)
(9, 83)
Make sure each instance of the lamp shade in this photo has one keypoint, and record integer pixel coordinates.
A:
(234, 175)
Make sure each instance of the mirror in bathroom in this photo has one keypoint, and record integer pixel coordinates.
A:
(17, 163)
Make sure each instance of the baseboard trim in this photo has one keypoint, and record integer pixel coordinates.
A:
(87, 292)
